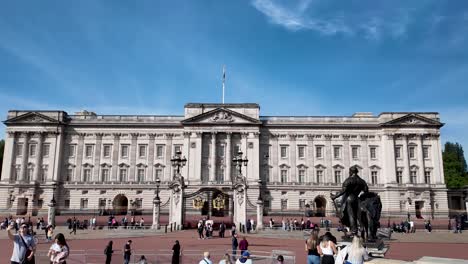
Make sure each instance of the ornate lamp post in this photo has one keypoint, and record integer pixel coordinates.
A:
(156, 206)
(238, 161)
(52, 204)
(178, 162)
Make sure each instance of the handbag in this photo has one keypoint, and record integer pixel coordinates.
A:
(28, 252)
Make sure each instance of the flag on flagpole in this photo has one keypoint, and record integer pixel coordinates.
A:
(224, 78)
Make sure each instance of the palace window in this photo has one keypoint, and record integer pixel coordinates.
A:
(84, 203)
(123, 175)
(412, 153)
(426, 152)
(373, 152)
(66, 204)
(399, 176)
(71, 150)
(19, 149)
(177, 148)
(29, 174)
(284, 152)
(107, 151)
(69, 175)
(374, 177)
(43, 175)
(301, 176)
(89, 151)
(284, 204)
(355, 152)
(105, 175)
(32, 150)
(301, 152)
(159, 151)
(427, 177)
(221, 150)
(319, 152)
(124, 151)
(45, 150)
(336, 152)
(413, 176)
(319, 176)
(398, 152)
(141, 175)
(284, 176)
(338, 176)
(302, 203)
(142, 151)
(16, 174)
(158, 174)
(86, 175)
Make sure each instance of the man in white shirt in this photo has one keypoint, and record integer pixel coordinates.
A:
(206, 258)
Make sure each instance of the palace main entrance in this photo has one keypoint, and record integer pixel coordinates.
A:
(120, 205)
(208, 203)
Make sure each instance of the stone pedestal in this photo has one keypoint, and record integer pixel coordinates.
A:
(176, 203)
(259, 214)
(240, 208)
(51, 213)
(156, 212)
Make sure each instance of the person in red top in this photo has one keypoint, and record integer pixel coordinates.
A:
(243, 245)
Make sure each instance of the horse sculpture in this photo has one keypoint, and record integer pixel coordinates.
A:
(370, 208)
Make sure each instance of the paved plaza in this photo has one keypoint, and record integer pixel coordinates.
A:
(157, 245)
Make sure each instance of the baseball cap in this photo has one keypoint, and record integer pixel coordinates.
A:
(246, 254)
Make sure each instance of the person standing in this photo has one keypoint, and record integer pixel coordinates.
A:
(357, 254)
(127, 251)
(226, 259)
(23, 245)
(222, 229)
(245, 258)
(200, 230)
(74, 224)
(243, 245)
(312, 249)
(206, 258)
(108, 252)
(61, 255)
(327, 249)
(176, 252)
(234, 246)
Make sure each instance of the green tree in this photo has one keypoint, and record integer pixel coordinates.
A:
(2, 147)
(456, 175)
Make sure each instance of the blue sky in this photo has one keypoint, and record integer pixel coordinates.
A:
(308, 57)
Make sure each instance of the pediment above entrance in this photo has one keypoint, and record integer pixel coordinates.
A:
(221, 116)
(413, 120)
(32, 118)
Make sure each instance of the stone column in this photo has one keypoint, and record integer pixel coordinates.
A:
(115, 157)
(346, 156)
(186, 152)
(310, 159)
(388, 159)
(227, 173)
(79, 156)
(259, 214)
(176, 206)
(38, 157)
(274, 158)
(58, 154)
(292, 158)
(151, 146)
(24, 158)
(97, 157)
(438, 172)
(168, 157)
(421, 164)
(365, 158)
(51, 212)
(8, 157)
(213, 158)
(406, 161)
(133, 153)
(156, 212)
(328, 177)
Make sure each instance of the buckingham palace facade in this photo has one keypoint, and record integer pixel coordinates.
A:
(118, 163)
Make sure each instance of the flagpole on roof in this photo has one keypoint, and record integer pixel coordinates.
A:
(224, 78)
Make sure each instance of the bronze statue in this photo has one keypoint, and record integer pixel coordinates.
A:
(349, 209)
(359, 207)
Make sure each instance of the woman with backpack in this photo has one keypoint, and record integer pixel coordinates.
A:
(108, 252)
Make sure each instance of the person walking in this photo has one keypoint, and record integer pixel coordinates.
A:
(234, 245)
(127, 251)
(108, 252)
(243, 245)
(357, 254)
(74, 224)
(327, 249)
(23, 245)
(206, 258)
(176, 252)
(63, 251)
(312, 249)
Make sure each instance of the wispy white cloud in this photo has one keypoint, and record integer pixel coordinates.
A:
(366, 19)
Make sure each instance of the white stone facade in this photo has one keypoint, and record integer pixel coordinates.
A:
(99, 161)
